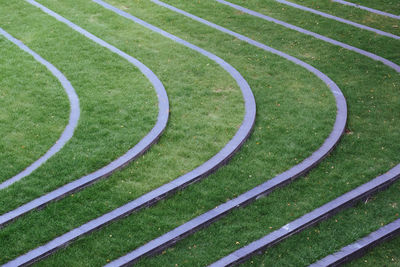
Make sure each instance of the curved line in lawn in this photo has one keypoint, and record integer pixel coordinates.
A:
(168, 239)
(313, 34)
(73, 115)
(318, 214)
(142, 146)
(216, 161)
(163, 191)
(197, 223)
(310, 219)
(361, 246)
(280, 180)
(368, 9)
(326, 15)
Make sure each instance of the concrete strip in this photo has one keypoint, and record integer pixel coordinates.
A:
(368, 9)
(205, 219)
(142, 146)
(349, 22)
(154, 196)
(313, 34)
(311, 218)
(73, 115)
(360, 247)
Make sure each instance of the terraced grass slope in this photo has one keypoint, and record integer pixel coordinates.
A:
(388, 6)
(369, 9)
(74, 113)
(93, 144)
(295, 114)
(34, 109)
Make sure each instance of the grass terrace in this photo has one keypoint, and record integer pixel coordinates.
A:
(34, 110)
(295, 114)
(388, 6)
(115, 113)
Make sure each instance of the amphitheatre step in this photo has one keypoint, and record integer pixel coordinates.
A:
(73, 116)
(170, 238)
(205, 219)
(360, 247)
(341, 105)
(379, 12)
(154, 196)
(316, 35)
(322, 213)
(396, 65)
(142, 146)
(326, 15)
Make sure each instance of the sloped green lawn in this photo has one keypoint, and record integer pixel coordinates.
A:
(295, 113)
(34, 109)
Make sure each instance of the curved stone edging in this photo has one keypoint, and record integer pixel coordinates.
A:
(313, 34)
(205, 219)
(361, 246)
(368, 9)
(326, 15)
(141, 147)
(73, 115)
(312, 218)
(356, 249)
(161, 192)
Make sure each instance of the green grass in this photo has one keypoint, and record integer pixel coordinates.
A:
(354, 14)
(199, 125)
(331, 235)
(34, 109)
(390, 6)
(348, 166)
(115, 112)
(300, 250)
(388, 251)
(298, 108)
(368, 41)
(295, 113)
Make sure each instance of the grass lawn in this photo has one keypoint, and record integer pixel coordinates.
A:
(389, 251)
(34, 109)
(354, 14)
(109, 124)
(390, 6)
(295, 113)
(198, 120)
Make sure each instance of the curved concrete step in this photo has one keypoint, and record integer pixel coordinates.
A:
(360, 247)
(161, 192)
(313, 34)
(280, 180)
(142, 146)
(73, 115)
(170, 238)
(368, 9)
(206, 218)
(312, 218)
(349, 22)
